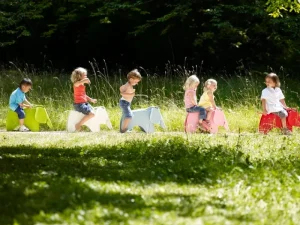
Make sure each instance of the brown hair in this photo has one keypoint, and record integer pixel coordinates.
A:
(274, 78)
(135, 74)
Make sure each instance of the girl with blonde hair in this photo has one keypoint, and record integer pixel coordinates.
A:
(79, 79)
(190, 100)
(207, 100)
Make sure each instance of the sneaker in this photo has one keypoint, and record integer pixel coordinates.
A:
(286, 131)
(23, 129)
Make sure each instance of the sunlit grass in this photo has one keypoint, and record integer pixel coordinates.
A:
(164, 178)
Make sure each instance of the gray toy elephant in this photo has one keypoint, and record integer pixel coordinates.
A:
(145, 119)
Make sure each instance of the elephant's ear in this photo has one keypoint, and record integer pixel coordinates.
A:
(41, 115)
(155, 116)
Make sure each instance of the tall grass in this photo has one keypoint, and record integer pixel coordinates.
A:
(238, 94)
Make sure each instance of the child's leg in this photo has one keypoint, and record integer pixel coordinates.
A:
(283, 115)
(21, 122)
(21, 115)
(201, 110)
(125, 124)
(127, 114)
(87, 110)
(83, 120)
(209, 113)
(283, 121)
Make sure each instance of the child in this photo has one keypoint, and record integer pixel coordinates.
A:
(190, 100)
(273, 100)
(207, 99)
(127, 92)
(79, 78)
(18, 101)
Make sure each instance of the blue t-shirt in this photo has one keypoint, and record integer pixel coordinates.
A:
(16, 98)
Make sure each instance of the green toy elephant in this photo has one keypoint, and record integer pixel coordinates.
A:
(34, 116)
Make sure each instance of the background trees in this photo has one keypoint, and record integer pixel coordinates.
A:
(151, 32)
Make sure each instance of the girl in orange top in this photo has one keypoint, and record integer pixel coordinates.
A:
(79, 78)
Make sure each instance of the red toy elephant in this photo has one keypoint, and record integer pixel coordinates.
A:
(270, 121)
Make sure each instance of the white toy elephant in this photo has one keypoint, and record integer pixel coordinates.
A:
(101, 117)
(145, 119)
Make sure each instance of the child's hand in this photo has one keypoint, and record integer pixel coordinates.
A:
(87, 80)
(265, 112)
(93, 100)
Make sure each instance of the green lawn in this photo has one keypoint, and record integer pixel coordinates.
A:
(164, 178)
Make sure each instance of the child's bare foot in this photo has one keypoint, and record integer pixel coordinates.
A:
(207, 122)
(203, 127)
(77, 127)
(206, 125)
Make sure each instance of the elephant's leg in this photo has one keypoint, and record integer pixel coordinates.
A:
(94, 127)
(148, 128)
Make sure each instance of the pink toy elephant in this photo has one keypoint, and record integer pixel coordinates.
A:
(217, 119)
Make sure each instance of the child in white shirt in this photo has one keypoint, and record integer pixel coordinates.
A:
(273, 100)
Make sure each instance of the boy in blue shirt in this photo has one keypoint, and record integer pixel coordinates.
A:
(18, 101)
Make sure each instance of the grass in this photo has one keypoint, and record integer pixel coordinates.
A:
(110, 178)
(163, 178)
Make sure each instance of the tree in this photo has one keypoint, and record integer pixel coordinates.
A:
(275, 8)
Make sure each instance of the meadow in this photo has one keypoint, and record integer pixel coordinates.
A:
(169, 177)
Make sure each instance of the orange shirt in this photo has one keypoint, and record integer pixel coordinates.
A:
(80, 95)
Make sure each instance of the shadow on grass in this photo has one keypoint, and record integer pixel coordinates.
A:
(48, 179)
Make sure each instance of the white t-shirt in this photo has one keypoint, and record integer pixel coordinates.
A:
(273, 97)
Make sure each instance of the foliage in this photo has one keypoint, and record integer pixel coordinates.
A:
(151, 32)
(276, 7)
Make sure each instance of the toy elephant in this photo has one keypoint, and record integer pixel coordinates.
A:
(270, 121)
(34, 117)
(145, 119)
(101, 117)
(217, 119)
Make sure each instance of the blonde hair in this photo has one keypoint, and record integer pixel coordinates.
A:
(135, 74)
(77, 73)
(209, 82)
(190, 81)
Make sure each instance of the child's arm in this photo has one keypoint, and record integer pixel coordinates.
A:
(211, 99)
(83, 81)
(25, 104)
(92, 100)
(282, 101)
(263, 103)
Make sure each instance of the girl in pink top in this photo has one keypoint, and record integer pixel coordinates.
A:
(79, 78)
(190, 100)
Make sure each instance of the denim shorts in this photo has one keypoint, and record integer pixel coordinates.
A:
(201, 110)
(20, 112)
(282, 114)
(84, 108)
(126, 110)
